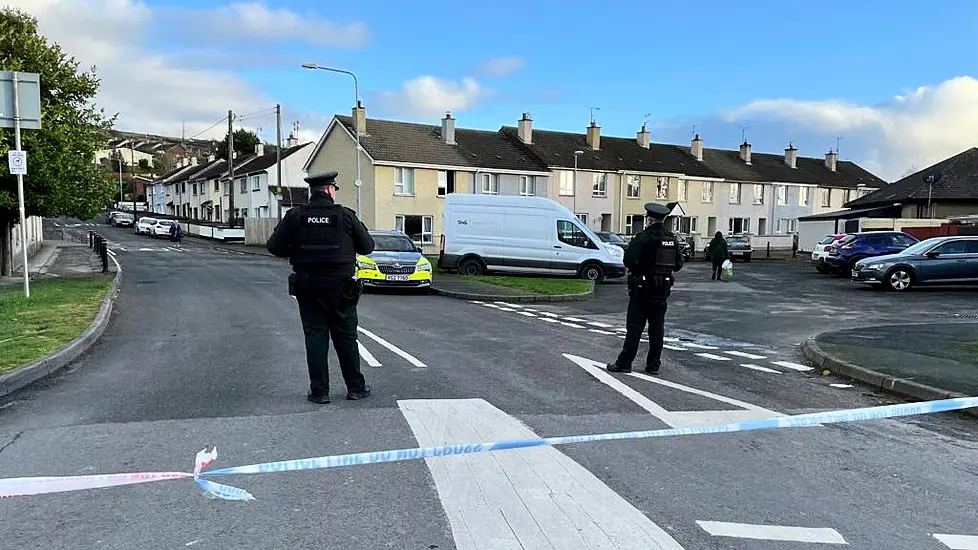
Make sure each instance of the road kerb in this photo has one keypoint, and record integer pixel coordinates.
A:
(57, 360)
(519, 299)
(903, 387)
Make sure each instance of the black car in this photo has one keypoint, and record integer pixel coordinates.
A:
(739, 246)
(612, 238)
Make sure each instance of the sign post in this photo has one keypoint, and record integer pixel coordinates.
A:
(20, 103)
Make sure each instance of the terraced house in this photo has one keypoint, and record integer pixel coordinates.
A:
(407, 169)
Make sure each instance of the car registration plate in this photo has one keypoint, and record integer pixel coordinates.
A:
(854, 273)
(397, 277)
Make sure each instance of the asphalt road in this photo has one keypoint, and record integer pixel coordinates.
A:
(205, 348)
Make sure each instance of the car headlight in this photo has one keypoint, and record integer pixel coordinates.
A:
(423, 265)
(363, 263)
(874, 267)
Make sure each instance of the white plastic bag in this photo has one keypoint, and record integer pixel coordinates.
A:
(727, 268)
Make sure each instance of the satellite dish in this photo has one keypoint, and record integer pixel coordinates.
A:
(932, 178)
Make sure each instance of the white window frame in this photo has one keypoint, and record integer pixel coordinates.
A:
(734, 195)
(846, 196)
(528, 186)
(804, 196)
(582, 217)
(758, 193)
(782, 195)
(242, 185)
(634, 190)
(690, 222)
(786, 225)
(566, 188)
(744, 225)
(662, 187)
(256, 183)
(427, 230)
(599, 185)
(706, 195)
(683, 191)
(826, 197)
(489, 184)
(442, 184)
(399, 222)
(403, 181)
(631, 220)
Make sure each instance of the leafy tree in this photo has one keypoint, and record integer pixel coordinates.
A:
(244, 143)
(62, 178)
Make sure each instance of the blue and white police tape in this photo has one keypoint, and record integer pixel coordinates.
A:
(39, 485)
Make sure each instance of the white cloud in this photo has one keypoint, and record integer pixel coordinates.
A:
(502, 66)
(429, 96)
(151, 91)
(918, 128)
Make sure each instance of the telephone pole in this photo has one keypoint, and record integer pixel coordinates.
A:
(231, 189)
(278, 154)
(132, 185)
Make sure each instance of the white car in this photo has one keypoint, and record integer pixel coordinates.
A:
(162, 228)
(145, 226)
(821, 252)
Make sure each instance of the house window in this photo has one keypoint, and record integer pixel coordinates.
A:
(446, 182)
(569, 233)
(683, 190)
(227, 188)
(634, 187)
(242, 185)
(734, 193)
(195, 213)
(195, 189)
(662, 188)
(600, 185)
(687, 225)
(634, 224)
(786, 225)
(403, 181)
(582, 217)
(183, 187)
(217, 186)
(566, 184)
(762, 226)
(707, 194)
(419, 228)
(826, 196)
(758, 193)
(255, 183)
(804, 196)
(782, 195)
(846, 196)
(527, 185)
(490, 184)
(739, 225)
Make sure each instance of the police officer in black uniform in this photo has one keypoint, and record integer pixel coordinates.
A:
(321, 240)
(651, 258)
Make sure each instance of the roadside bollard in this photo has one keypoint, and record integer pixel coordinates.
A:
(104, 256)
(91, 239)
(769, 249)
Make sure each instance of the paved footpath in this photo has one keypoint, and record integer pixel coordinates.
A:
(206, 349)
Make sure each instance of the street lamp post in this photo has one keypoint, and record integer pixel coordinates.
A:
(576, 153)
(356, 128)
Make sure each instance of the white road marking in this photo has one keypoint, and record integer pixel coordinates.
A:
(675, 348)
(841, 385)
(700, 346)
(792, 366)
(548, 314)
(367, 356)
(57, 224)
(574, 320)
(680, 419)
(714, 357)
(475, 302)
(570, 325)
(176, 249)
(622, 329)
(507, 304)
(145, 249)
(506, 309)
(527, 313)
(549, 319)
(525, 498)
(491, 305)
(599, 325)
(530, 309)
(760, 368)
(822, 535)
(410, 358)
(958, 542)
(110, 251)
(745, 354)
(668, 339)
(122, 248)
(599, 331)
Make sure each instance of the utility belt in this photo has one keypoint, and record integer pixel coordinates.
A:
(342, 294)
(654, 284)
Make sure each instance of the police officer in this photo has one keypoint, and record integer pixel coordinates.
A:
(651, 258)
(321, 240)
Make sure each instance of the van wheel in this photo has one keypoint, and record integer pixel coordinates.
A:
(471, 266)
(592, 272)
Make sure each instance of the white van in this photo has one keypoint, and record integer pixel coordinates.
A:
(519, 234)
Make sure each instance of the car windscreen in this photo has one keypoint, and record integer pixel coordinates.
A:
(920, 247)
(388, 243)
(611, 238)
(737, 240)
(847, 239)
(827, 240)
(148, 220)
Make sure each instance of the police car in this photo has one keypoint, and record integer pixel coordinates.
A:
(396, 262)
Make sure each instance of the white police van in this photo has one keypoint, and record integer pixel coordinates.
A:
(502, 233)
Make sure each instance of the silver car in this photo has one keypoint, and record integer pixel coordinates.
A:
(935, 261)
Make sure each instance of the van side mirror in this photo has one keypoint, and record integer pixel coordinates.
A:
(419, 249)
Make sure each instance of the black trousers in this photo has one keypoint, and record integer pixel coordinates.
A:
(717, 269)
(323, 319)
(642, 310)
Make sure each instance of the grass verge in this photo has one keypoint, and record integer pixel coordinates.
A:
(57, 312)
(538, 285)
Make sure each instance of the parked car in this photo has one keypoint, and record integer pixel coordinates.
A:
(821, 252)
(145, 226)
(856, 246)
(522, 234)
(396, 261)
(122, 219)
(935, 261)
(612, 238)
(161, 228)
(738, 245)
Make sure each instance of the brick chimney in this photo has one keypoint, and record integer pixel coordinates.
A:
(696, 148)
(791, 155)
(526, 129)
(745, 152)
(642, 137)
(360, 119)
(193, 160)
(260, 149)
(594, 136)
(292, 141)
(830, 159)
(448, 128)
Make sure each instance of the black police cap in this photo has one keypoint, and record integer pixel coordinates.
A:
(656, 210)
(323, 179)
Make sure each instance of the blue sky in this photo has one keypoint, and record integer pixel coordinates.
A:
(835, 67)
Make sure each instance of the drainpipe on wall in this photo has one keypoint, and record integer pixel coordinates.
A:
(621, 200)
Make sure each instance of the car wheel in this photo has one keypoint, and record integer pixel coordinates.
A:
(899, 279)
(821, 269)
(471, 266)
(746, 257)
(592, 272)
